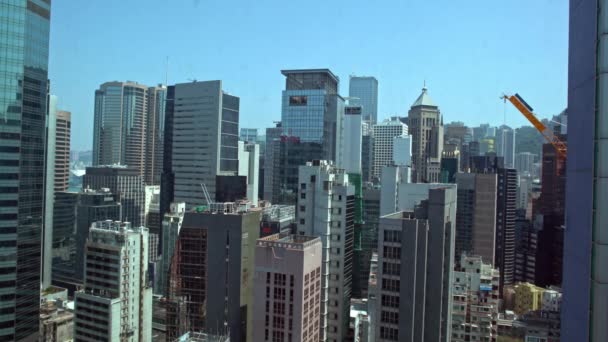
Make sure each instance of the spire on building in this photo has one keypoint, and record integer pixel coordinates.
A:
(424, 99)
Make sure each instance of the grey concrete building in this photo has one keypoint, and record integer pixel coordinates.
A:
(505, 145)
(154, 135)
(476, 216)
(116, 301)
(211, 272)
(62, 150)
(204, 139)
(326, 208)
(415, 271)
(287, 288)
(127, 186)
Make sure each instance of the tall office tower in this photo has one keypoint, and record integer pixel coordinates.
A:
(524, 188)
(287, 288)
(204, 121)
(352, 139)
(167, 176)
(127, 186)
(48, 192)
(273, 135)
(415, 270)
(312, 110)
(367, 155)
(152, 221)
(116, 302)
(248, 135)
(154, 134)
(476, 216)
(551, 205)
(364, 91)
(426, 127)
(249, 165)
(289, 154)
(211, 273)
(63, 244)
(383, 134)
(526, 238)
(506, 206)
(505, 145)
(585, 241)
(119, 132)
(326, 208)
(524, 163)
(92, 206)
(24, 79)
(369, 233)
(476, 300)
(171, 226)
(62, 150)
(457, 133)
(402, 150)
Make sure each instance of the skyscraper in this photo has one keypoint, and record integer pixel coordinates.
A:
(127, 186)
(326, 208)
(383, 143)
(273, 135)
(352, 139)
(312, 109)
(364, 91)
(62, 150)
(415, 270)
(505, 145)
(426, 127)
(154, 135)
(287, 288)
(24, 31)
(204, 120)
(248, 135)
(524, 163)
(116, 302)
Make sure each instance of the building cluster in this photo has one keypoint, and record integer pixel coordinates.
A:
(330, 226)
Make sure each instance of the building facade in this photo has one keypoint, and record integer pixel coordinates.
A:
(127, 186)
(312, 110)
(154, 135)
(204, 120)
(326, 208)
(116, 302)
(62, 150)
(426, 127)
(24, 30)
(383, 136)
(415, 271)
(505, 145)
(211, 273)
(476, 301)
(364, 92)
(287, 288)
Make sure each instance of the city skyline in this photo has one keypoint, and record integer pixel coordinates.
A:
(467, 93)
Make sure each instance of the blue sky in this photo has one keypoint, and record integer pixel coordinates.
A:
(469, 52)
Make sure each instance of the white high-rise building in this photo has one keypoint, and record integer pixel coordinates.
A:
(383, 142)
(475, 294)
(505, 145)
(116, 302)
(249, 166)
(402, 150)
(326, 204)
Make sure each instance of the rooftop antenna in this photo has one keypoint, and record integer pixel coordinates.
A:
(167, 70)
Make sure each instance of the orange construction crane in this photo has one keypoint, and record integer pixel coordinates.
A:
(547, 133)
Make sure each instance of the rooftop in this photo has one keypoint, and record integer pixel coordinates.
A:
(311, 71)
(424, 99)
(290, 241)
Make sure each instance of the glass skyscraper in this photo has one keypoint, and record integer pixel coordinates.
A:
(365, 89)
(24, 49)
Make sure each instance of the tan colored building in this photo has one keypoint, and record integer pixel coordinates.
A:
(528, 297)
(62, 150)
(426, 128)
(287, 288)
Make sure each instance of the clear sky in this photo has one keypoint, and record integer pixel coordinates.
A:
(469, 52)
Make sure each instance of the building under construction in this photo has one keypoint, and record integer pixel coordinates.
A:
(211, 272)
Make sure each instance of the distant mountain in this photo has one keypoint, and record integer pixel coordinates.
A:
(528, 139)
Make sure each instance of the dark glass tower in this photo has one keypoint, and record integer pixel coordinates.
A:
(24, 40)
